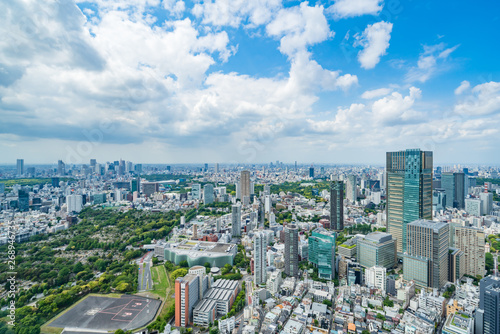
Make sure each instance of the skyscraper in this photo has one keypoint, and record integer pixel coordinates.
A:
(208, 193)
(61, 168)
(245, 184)
(311, 172)
(352, 188)
(486, 202)
(236, 220)
(322, 252)
(453, 185)
(470, 241)
(409, 191)
(488, 314)
(428, 240)
(20, 167)
(196, 191)
(337, 205)
(291, 250)
(376, 249)
(259, 258)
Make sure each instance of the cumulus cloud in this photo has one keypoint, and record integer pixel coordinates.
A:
(235, 12)
(432, 60)
(464, 86)
(483, 100)
(299, 27)
(396, 108)
(375, 41)
(352, 8)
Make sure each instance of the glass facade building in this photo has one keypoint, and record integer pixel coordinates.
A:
(376, 249)
(454, 187)
(337, 206)
(409, 191)
(322, 252)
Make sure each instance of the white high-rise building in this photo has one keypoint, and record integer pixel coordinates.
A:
(259, 258)
(352, 188)
(473, 206)
(486, 202)
(74, 203)
(236, 220)
(376, 277)
(20, 167)
(268, 203)
(196, 191)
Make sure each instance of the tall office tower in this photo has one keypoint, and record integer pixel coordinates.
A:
(20, 167)
(337, 206)
(486, 202)
(259, 258)
(188, 291)
(205, 167)
(376, 249)
(296, 166)
(195, 231)
(268, 204)
(311, 172)
(216, 168)
(2, 188)
(267, 190)
(93, 163)
(121, 167)
(238, 190)
(135, 184)
(129, 167)
(236, 220)
(150, 188)
(61, 168)
(74, 203)
(471, 241)
(409, 191)
(245, 184)
(138, 169)
(438, 199)
(23, 199)
(487, 320)
(456, 264)
(352, 188)
(322, 252)
(208, 193)
(291, 250)
(428, 241)
(453, 184)
(473, 207)
(470, 181)
(196, 191)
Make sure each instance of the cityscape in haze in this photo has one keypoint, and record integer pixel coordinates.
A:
(249, 167)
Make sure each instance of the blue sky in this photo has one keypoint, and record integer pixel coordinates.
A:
(171, 81)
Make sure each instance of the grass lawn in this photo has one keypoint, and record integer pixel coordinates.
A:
(163, 287)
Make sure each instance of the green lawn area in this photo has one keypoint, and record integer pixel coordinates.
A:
(163, 287)
(160, 281)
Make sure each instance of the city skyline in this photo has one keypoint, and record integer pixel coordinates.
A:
(246, 82)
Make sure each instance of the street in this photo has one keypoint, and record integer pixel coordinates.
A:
(145, 280)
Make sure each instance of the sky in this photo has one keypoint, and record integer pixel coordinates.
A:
(248, 81)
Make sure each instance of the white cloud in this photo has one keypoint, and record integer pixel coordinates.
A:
(464, 86)
(432, 60)
(352, 8)
(371, 94)
(483, 100)
(375, 41)
(396, 109)
(235, 12)
(299, 27)
(175, 7)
